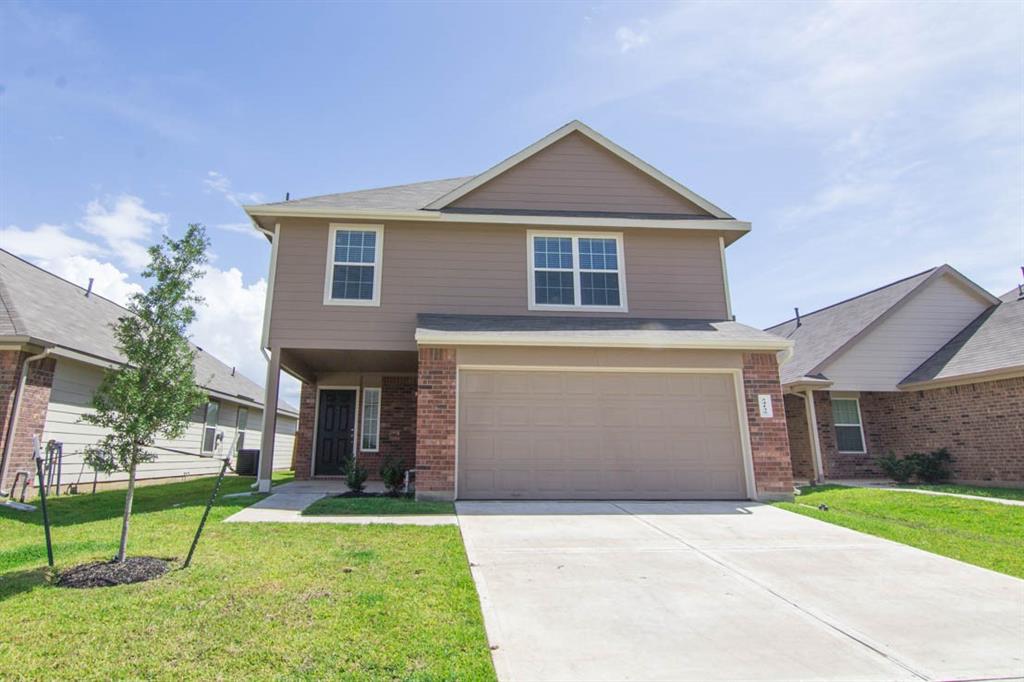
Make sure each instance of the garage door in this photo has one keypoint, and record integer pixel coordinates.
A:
(598, 435)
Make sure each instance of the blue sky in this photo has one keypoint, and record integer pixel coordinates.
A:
(865, 141)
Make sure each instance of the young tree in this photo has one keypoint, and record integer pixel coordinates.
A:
(154, 392)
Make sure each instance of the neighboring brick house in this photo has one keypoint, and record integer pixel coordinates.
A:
(926, 362)
(557, 327)
(61, 335)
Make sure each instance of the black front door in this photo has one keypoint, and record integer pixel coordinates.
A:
(334, 431)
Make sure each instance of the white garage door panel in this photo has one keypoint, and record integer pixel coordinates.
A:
(618, 435)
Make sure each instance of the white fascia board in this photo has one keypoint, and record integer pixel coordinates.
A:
(428, 337)
(717, 224)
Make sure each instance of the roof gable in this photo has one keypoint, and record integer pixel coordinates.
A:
(824, 335)
(575, 169)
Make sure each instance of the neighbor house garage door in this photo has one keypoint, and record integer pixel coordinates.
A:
(598, 435)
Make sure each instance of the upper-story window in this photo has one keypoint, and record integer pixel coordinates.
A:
(570, 271)
(354, 265)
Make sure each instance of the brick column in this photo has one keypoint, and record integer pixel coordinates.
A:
(769, 441)
(435, 424)
(302, 448)
(32, 414)
(800, 450)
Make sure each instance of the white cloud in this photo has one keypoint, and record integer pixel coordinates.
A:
(126, 225)
(45, 241)
(245, 229)
(627, 39)
(109, 281)
(219, 183)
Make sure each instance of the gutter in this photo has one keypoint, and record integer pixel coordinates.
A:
(12, 426)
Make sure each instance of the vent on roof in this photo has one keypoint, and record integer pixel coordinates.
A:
(89, 288)
(797, 312)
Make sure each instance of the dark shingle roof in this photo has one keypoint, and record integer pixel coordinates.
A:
(822, 332)
(991, 343)
(38, 304)
(395, 198)
(584, 329)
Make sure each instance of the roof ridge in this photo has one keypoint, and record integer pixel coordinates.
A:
(854, 298)
(367, 189)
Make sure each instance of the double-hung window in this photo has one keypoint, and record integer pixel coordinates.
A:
(354, 265)
(210, 426)
(847, 421)
(370, 441)
(576, 271)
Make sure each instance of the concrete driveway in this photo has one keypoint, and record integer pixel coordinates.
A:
(727, 591)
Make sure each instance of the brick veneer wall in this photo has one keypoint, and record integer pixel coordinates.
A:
(800, 452)
(435, 424)
(34, 404)
(769, 440)
(981, 424)
(397, 425)
(302, 446)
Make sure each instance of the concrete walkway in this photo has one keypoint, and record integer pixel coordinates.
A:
(727, 591)
(886, 486)
(286, 502)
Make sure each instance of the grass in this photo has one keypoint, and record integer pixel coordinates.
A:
(974, 531)
(375, 506)
(979, 491)
(261, 601)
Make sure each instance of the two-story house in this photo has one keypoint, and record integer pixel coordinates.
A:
(556, 327)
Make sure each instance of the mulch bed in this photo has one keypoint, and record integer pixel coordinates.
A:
(109, 573)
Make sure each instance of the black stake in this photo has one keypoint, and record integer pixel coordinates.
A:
(42, 501)
(199, 531)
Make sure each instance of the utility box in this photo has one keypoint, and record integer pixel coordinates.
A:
(248, 461)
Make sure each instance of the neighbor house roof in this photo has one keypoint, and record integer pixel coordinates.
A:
(992, 344)
(432, 200)
(512, 330)
(38, 307)
(823, 334)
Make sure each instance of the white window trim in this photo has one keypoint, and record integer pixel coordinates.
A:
(378, 264)
(362, 417)
(860, 426)
(206, 416)
(531, 292)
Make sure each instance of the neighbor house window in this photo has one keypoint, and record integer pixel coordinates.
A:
(241, 424)
(579, 271)
(849, 430)
(210, 427)
(371, 420)
(354, 265)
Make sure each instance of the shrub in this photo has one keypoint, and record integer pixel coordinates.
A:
(896, 468)
(355, 476)
(392, 473)
(932, 467)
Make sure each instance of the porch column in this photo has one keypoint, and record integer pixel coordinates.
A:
(266, 469)
(812, 427)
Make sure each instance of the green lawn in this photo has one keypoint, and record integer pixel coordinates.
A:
(980, 491)
(375, 506)
(981, 533)
(261, 601)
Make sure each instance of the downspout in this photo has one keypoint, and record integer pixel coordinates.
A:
(12, 425)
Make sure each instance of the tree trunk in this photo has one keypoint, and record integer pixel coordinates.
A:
(122, 550)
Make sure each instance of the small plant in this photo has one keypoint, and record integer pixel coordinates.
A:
(392, 472)
(896, 468)
(355, 475)
(932, 467)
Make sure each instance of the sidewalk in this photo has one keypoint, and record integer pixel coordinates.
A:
(886, 485)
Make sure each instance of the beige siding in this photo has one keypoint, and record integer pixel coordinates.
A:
(577, 174)
(458, 268)
(71, 396)
(890, 351)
